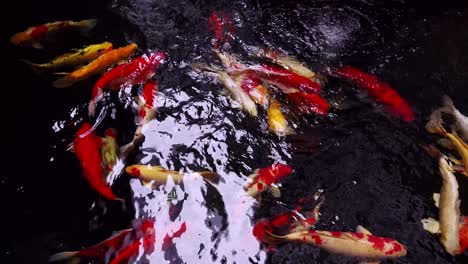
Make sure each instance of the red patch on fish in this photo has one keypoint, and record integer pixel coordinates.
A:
(259, 186)
(217, 24)
(310, 103)
(167, 241)
(86, 148)
(110, 133)
(259, 229)
(463, 235)
(358, 235)
(310, 221)
(315, 237)
(381, 91)
(336, 233)
(395, 249)
(135, 172)
(273, 173)
(39, 32)
(379, 242)
(281, 220)
(250, 82)
(149, 93)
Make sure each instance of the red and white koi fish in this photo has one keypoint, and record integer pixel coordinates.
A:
(252, 85)
(116, 241)
(33, 36)
(134, 72)
(381, 91)
(353, 244)
(309, 103)
(86, 148)
(263, 179)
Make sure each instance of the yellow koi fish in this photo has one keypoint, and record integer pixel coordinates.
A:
(276, 120)
(109, 149)
(160, 175)
(435, 126)
(79, 57)
(99, 65)
(33, 36)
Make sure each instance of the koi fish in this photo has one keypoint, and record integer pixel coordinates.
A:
(276, 120)
(79, 57)
(263, 179)
(110, 149)
(134, 248)
(461, 120)
(33, 36)
(291, 64)
(434, 125)
(309, 103)
(97, 251)
(160, 175)
(382, 92)
(351, 244)
(97, 66)
(216, 24)
(252, 85)
(137, 71)
(238, 94)
(86, 148)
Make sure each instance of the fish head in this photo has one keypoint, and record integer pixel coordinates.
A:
(21, 39)
(133, 170)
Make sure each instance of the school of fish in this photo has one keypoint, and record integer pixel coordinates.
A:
(277, 87)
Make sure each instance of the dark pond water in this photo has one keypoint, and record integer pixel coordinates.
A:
(368, 163)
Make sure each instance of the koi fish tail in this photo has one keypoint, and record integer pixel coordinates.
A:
(63, 82)
(448, 103)
(434, 125)
(37, 68)
(210, 176)
(62, 256)
(87, 25)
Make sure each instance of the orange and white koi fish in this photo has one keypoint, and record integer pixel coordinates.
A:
(353, 244)
(79, 57)
(264, 179)
(97, 66)
(160, 175)
(276, 120)
(435, 126)
(252, 85)
(33, 36)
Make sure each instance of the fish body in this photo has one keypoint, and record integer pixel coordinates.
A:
(463, 234)
(262, 179)
(86, 148)
(352, 244)
(252, 85)
(97, 66)
(309, 103)
(276, 120)
(110, 149)
(382, 92)
(237, 93)
(291, 64)
(148, 102)
(78, 57)
(33, 36)
(461, 120)
(160, 175)
(137, 71)
(449, 209)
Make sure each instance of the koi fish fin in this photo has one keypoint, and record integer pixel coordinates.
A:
(87, 25)
(434, 125)
(271, 238)
(446, 143)
(274, 191)
(431, 225)
(210, 176)
(448, 102)
(62, 256)
(436, 198)
(63, 82)
(60, 73)
(37, 45)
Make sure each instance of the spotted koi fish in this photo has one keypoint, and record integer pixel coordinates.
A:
(97, 66)
(33, 36)
(381, 91)
(353, 244)
(263, 179)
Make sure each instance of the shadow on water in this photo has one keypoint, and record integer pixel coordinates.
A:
(368, 163)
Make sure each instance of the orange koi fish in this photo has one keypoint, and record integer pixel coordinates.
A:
(263, 179)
